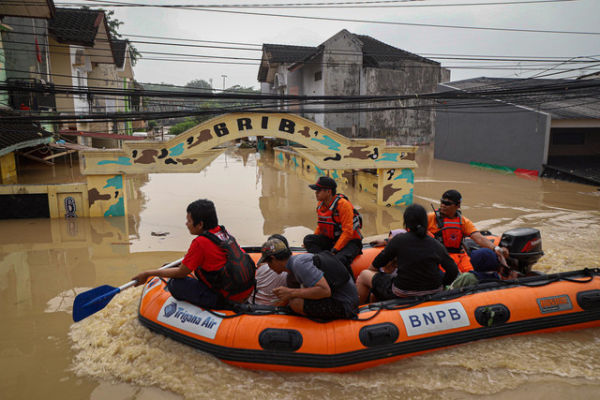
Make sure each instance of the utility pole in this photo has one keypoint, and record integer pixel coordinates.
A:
(224, 76)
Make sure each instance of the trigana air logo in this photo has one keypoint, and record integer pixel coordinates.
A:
(190, 318)
(183, 315)
(170, 309)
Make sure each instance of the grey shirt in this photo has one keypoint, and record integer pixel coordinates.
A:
(307, 274)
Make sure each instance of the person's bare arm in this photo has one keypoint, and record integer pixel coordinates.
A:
(482, 241)
(176, 272)
(320, 290)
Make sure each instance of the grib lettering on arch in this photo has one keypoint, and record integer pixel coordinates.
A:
(441, 317)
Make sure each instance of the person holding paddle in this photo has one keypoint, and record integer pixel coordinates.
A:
(223, 273)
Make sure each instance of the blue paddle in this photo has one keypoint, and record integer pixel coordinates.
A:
(94, 300)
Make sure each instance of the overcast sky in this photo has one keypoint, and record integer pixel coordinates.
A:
(254, 30)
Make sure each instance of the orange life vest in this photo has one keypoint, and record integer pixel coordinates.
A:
(328, 219)
(450, 231)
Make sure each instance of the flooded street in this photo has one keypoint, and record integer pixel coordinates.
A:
(45, 263)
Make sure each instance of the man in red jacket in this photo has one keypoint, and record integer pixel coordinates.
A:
(205, 258)
(338, 225)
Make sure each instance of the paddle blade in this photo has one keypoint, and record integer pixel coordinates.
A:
(92, 301)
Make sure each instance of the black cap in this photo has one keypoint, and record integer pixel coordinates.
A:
(324, 182)
(453, 195)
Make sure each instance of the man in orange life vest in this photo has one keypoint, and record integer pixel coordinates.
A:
(450, 227)
(338, 225)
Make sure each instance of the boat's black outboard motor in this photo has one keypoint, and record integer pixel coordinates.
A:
(524, 245)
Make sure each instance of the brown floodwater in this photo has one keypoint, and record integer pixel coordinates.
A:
(45, 263)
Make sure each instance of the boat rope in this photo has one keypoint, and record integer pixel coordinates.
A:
(402, 303)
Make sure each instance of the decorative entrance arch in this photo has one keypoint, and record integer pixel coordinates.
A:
(194, 149)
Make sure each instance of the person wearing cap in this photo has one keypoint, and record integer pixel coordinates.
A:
(317, 286)
(450, 227)
(267, 280)
(338, 224)
(486, 266)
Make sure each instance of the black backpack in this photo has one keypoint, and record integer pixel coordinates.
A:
(238, 273)
(336, 273)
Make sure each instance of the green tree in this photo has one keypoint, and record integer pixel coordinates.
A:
(199, 84)
(242, 89)
(183, 126)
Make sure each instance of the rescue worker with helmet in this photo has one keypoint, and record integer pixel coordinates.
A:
(338, 225)
(450, 227)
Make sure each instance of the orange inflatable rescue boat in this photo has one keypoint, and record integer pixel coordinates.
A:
(272, 338)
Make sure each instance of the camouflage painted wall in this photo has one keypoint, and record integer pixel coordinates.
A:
(196, 148)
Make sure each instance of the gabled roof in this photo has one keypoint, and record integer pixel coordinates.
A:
(119, 47)
(276, 54)
(561, 98)
(76, 26)
(376, 54)
(19, 135)
(282, 53)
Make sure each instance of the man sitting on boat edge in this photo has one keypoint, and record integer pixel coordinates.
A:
(220, 278)
(450, 227)
(318, 285)
(338, 224)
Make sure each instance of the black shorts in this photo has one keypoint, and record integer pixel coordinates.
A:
(327, 308)
(381, 287)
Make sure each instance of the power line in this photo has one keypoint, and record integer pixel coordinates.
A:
(203, 8)
(544, 92)
(318, 18)
(292, 50)
(502, 59)
(344, 4)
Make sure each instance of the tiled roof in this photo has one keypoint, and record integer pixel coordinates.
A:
(377, 53)
(561, 98)
(118, 49)
(281, 53)
(19, 135)
(75, 26)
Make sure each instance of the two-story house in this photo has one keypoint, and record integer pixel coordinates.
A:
(23, 68)
(81, 57)
(124, 68)
(356, 65)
